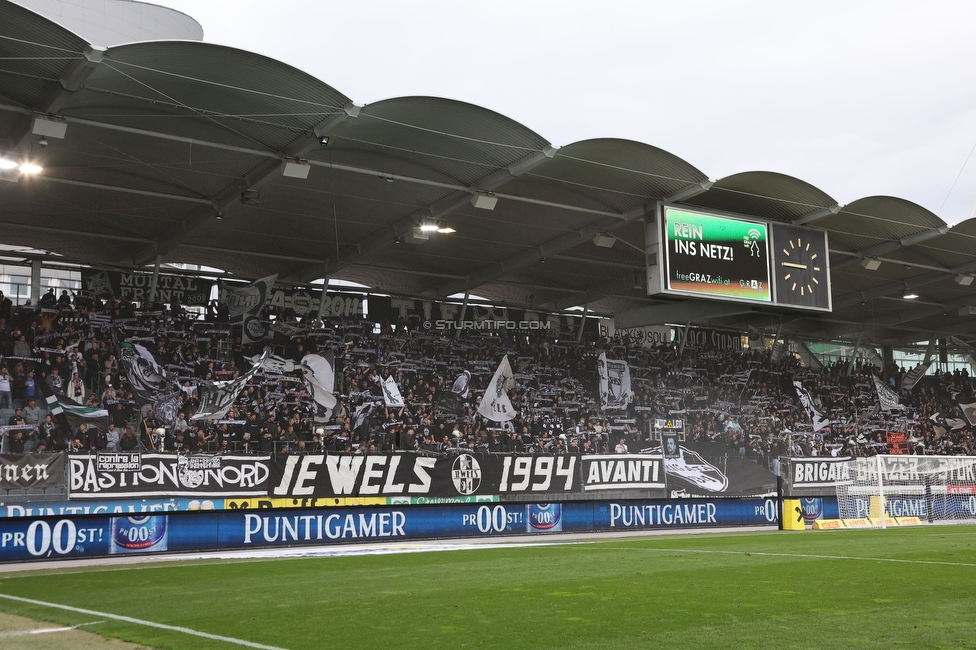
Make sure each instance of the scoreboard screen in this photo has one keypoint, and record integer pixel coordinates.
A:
(708, 255)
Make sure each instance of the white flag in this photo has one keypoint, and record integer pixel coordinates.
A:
(320, 379)
(391, 393)
(496, 405)
(615, 390)
(887, 397)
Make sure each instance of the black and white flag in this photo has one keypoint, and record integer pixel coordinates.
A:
(453, 400)
(913, 376)
(887, 397)
(361, 414)
(817, 417)
(969, 412)
(391, 393)
(615, 392)
(151, 383)
(245, 303)
(216, 397)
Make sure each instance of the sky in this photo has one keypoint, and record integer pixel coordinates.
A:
(857, 98)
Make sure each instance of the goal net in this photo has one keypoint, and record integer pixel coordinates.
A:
(936, 489)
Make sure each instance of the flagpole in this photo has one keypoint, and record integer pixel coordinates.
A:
(464, 312)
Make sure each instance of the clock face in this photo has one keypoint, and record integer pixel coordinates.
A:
(801, 267)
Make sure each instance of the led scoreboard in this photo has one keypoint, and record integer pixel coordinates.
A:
(703, 254)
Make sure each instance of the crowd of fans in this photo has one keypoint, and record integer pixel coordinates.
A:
(741, 398)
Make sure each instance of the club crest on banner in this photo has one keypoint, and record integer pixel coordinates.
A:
(466, 474)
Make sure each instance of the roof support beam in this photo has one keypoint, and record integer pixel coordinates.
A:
(594, 293)
(495, 270)
(74, 233)
(251, 181)
(816, 215)
(72, 80)
(43, 178)
(893, 288)
(890, 246)
(444, 206)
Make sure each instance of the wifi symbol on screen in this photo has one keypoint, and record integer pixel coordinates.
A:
(754, 234)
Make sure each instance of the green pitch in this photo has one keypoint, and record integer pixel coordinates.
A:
(866, 589)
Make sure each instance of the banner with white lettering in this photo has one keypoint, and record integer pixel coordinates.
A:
(334, 475)
(137, 286)
(125, 474)
(622, 471)
(815, 476)
(31, 471)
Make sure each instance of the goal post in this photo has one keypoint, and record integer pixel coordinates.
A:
(935, 489)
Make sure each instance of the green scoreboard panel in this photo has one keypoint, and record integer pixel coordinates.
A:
(708, 255)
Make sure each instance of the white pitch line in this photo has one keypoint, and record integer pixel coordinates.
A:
(806, 555)
(138, 621)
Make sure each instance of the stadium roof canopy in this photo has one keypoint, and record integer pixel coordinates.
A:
(189, 151)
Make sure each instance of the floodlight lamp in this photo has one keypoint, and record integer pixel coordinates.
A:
(964, 279)
(324, 140)
(7, 164)
(909, 295)
(428, 227)
(604, 240)
(30, 168)
(871, 263)
(445, 230)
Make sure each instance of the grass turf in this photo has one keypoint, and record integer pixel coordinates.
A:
(741, 590)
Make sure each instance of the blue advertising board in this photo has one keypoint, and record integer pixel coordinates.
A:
(107, 507)
(27, 538)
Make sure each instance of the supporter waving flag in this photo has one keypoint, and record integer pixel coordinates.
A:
(391, 393)
(244, 304)
(913, 376)
(453, 400)
(615, 392)
(496, 405)
(887, 397)
(817, 417)
(320, 378)
(217, 397)
(70, 414)
(150, 382)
